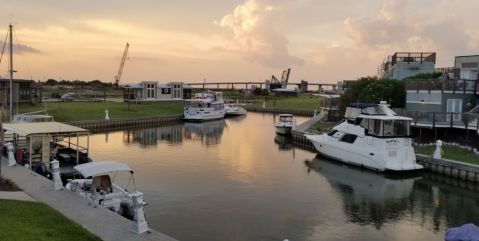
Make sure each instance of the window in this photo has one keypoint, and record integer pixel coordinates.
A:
(24, 91)
(348, 138)
(176, 91)
(472, 65)
(165, 91)
(150, 91)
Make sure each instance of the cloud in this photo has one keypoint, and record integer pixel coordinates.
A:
(254, 29)
(397, 25)
(19, 47)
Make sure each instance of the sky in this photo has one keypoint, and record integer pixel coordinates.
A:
(322, 41)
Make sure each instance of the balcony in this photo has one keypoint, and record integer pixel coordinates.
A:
(459, 86)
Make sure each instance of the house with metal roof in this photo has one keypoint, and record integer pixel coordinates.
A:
(24, 91)
(153, 91)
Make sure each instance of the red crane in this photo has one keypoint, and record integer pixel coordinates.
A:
(118, 76)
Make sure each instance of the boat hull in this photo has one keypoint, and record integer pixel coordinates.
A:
(201, 116)
(283, 130)
(361, 155)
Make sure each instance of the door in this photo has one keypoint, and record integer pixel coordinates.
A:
(454, 105)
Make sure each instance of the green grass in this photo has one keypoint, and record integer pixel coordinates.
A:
(37, 221)
(451, 153)
(78, 111)
(323, 126)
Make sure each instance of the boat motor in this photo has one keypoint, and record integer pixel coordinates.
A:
(126, 209)
(41, 169)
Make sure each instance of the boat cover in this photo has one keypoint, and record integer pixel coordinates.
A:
(100, 168)
(469, 232)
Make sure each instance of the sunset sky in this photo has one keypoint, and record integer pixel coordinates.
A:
(322, 41)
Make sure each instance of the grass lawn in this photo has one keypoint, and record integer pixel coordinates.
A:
(451, 153)
(323, 126)
(37, 221)
(78, 111)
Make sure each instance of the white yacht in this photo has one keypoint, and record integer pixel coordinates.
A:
(206, 106)
(371, 136)
(94, 183)
(285, 124)
(235, 110)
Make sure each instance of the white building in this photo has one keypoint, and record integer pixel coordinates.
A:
(404, 64)
(466, 67)
(151, 91)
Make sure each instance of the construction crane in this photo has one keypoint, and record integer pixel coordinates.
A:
(118, 76)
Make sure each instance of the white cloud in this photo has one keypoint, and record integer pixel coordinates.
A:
(259, 38)
(398, 25)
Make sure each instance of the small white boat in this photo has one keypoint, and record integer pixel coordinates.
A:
(205, 107)
(235, 110)
(371, 136)
(94, 183)
(285, 124)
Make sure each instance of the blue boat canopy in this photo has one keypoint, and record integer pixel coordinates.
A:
(362, 105)
(467, 231)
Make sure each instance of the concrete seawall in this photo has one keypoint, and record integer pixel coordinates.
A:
(460, 170)
(113, 124)
(307, 113)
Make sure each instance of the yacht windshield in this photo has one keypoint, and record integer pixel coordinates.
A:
(386, 128)
(397, 127)
(285, 119)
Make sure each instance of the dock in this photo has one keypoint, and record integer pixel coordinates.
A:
(98, 220)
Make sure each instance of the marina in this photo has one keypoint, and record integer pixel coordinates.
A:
(259, 186)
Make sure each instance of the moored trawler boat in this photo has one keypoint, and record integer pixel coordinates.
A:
(285, 124)
(205, 107)
(234, 110)
(371, 136)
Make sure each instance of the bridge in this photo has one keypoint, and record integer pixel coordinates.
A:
(234, 85)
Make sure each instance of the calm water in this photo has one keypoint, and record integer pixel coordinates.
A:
(235, 179)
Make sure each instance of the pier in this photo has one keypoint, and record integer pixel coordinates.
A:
(98, 220)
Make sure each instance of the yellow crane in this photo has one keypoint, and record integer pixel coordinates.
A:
(118, 76)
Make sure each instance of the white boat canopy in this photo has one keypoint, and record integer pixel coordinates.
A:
(100, 168)
(36, 128)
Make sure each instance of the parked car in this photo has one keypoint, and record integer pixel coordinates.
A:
(67, 97)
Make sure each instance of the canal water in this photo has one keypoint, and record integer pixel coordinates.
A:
(235, 179)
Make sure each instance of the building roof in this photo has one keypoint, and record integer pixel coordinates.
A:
(17, 80)
(134, 86)
(53, 128)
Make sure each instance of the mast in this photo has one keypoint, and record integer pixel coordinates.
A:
(11, 73)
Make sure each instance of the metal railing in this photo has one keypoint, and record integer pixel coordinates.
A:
(434, 119)
(454, 85)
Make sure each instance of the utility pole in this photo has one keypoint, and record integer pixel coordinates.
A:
(11, 73)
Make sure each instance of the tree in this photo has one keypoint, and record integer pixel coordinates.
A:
(51, 82)
(434, 75)
(373, 90)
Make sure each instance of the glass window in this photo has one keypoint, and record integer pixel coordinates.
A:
(176, 91)
(348, 138)
(150, 91)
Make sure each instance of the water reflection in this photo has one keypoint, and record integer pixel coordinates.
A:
(376, 199)
(285, 143)
(240, 118)
(171, 134)
(209, 133)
